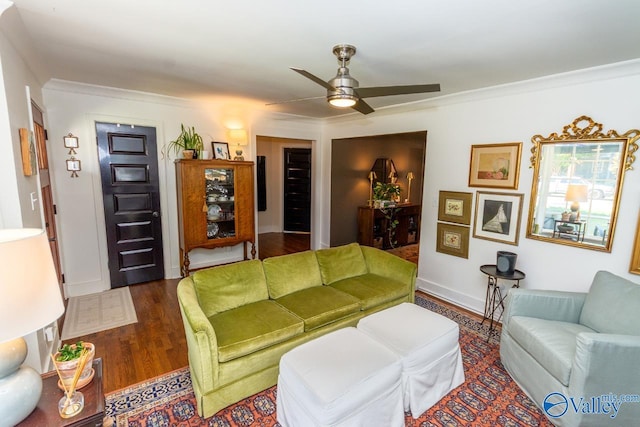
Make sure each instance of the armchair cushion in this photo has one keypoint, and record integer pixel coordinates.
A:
(611, 304)
(552, 343)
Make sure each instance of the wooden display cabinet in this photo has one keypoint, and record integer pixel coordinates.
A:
(373, 225)
(215, 206)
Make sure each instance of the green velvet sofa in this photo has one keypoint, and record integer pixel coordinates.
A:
(241, 318)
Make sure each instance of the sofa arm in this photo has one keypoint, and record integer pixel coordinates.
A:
(202, 343)
(606, 363)
(550, 305)
(388, 265)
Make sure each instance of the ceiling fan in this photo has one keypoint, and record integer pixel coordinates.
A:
(343, 90)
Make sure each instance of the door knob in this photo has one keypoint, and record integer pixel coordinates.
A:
(155, 214)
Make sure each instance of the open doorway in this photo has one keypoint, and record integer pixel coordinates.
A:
(352, 161)
(284, 195)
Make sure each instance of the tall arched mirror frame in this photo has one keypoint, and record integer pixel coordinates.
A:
(577, 183)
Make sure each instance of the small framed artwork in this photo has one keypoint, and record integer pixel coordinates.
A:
(498, 216)
(453, 240)
(74, 166)
(635, 256)
(28, 150)
(71, 142)
(220, 150)
(495, 165)
(454, 206)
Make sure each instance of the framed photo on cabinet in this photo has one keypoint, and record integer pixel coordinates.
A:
(220, 150)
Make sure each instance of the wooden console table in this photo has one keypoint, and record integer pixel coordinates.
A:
(373, 225)
(46, 413)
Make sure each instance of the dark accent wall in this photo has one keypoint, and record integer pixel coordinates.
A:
(351, 161)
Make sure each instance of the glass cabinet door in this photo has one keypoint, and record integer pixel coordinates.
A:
(220, 203)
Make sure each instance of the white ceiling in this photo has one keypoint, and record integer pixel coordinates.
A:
(244, 48)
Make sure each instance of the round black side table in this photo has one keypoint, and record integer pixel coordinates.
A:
(494, 299)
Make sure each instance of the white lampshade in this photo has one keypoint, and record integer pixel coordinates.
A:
(29, 292)
(29, 300)
(237, 136)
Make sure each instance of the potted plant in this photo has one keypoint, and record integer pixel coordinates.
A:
(189, 142)
(66, 360)
(385, 194)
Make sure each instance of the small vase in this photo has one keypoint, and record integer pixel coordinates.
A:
(70, 406)
(187, 154)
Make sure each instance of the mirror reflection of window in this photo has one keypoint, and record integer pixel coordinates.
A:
(577, 184)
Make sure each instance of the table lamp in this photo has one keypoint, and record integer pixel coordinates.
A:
(410, 177)
(576, 193)
(29, 300)
(238, 137)
(372, 176)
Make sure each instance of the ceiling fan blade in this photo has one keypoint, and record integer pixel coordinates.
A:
(370, 92)
(314, 78)
(287, 101)
(363, 107)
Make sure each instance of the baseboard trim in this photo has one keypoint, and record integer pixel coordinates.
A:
(465, 301)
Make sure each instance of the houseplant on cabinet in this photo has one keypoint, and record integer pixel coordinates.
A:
(189, 142)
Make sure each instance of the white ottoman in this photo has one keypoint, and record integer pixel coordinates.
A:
(428, 345)
(344, 378)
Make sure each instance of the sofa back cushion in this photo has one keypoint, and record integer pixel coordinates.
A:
(612, 305)
(290, 273)
(341, 262)
(225, 287)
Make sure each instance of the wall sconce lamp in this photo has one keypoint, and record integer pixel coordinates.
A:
(410, 177)
(372, 176)
(237, 137)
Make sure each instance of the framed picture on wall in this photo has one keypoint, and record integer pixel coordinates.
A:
(453, 240)
(220, 150)
(498, 216)
(454, 206)
(495, 165)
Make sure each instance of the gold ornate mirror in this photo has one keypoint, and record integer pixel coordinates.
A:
(577, 183)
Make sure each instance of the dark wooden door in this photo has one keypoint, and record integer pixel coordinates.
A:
(46, 192)
(297, 189)
(131, 195)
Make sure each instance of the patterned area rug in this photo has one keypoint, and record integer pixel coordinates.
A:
(489, 397)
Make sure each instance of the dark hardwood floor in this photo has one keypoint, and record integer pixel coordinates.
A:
(156, 344)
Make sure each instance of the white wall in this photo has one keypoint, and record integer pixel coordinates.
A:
(75, 108)
(16, 210)
(506, 114)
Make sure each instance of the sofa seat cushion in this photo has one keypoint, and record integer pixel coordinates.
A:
(551, 343)
(341, 262)
(290, 273)
(251, 327)
(372, 290)
(320, 305)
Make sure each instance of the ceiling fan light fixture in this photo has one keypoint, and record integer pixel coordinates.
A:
(342, 100)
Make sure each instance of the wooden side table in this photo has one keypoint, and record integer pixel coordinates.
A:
(494, 299)
(46, 413)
